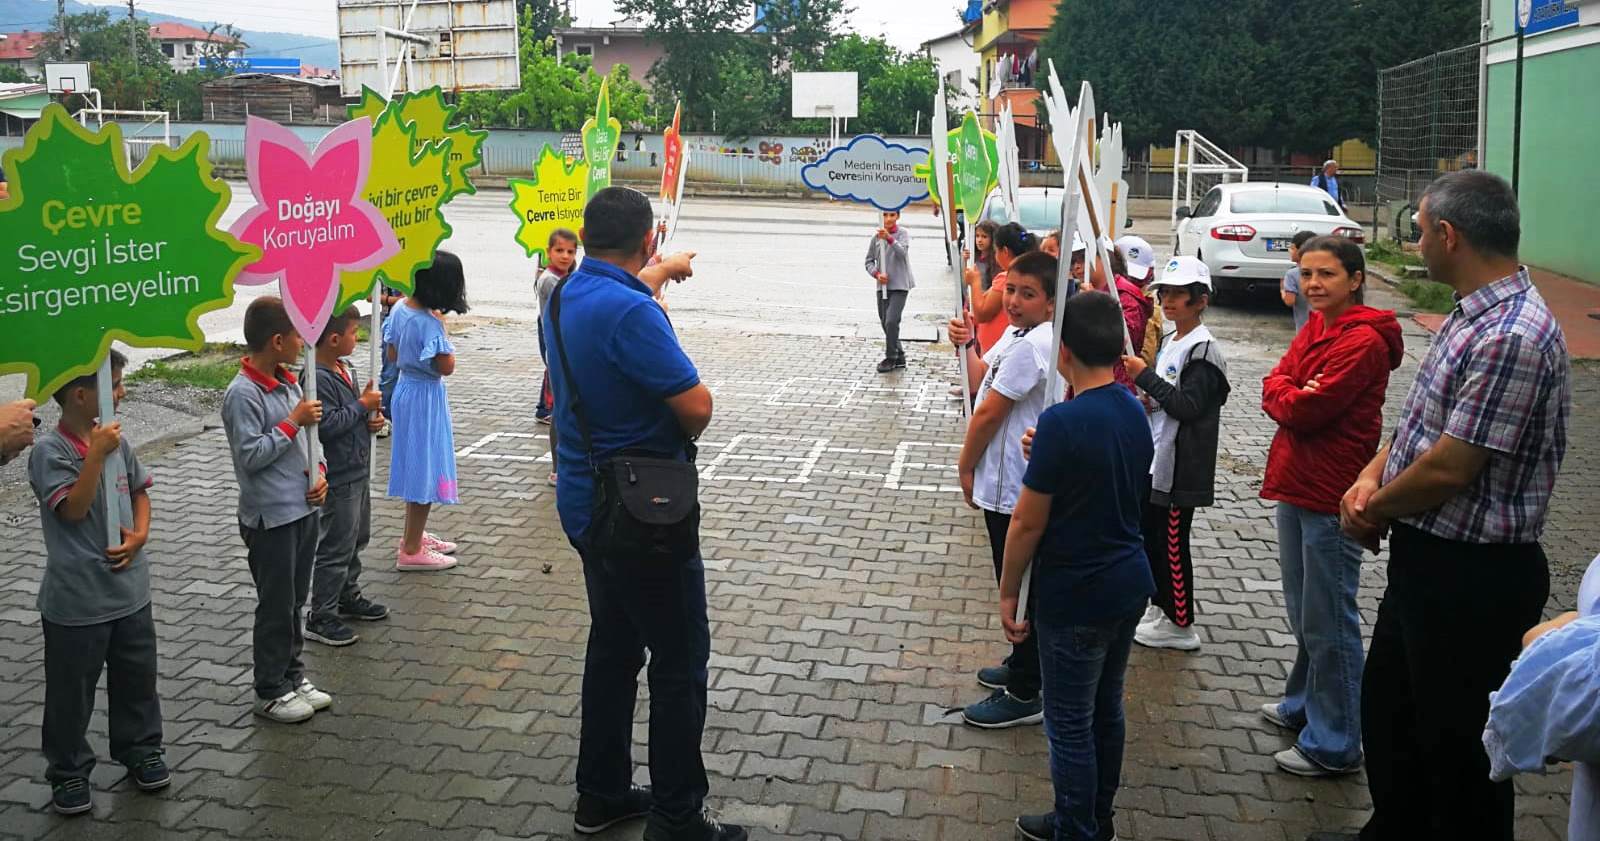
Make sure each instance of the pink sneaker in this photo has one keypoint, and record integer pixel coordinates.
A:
(431, 541)
(426, 560)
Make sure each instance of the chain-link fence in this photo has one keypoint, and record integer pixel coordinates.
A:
(1427, 125)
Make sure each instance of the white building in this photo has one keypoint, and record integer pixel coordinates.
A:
(184, 45)
(957, 62)
(23, 50)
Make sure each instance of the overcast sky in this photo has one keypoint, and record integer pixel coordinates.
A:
(906, 23)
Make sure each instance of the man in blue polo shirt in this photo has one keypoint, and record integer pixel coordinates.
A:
(639, 392)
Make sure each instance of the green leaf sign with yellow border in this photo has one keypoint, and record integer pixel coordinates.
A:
(600, 136)
(90, 252)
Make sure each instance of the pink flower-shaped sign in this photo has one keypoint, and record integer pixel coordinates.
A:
(310, 221)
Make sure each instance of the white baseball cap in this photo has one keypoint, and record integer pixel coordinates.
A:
(1183, 271)
(1139, 256)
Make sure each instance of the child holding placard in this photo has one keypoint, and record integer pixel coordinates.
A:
(422, 462)
(263, 413)
(95, 599)
(889, 263)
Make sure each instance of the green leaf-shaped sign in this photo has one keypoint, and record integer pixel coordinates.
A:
(974, 167)
(991, 147)
(409, 185)
(600, 136)
(90, 252)
(435, 122)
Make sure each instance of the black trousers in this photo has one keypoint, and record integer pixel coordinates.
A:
(73, 655)
(1450, 624)
(1024, 659)
(890, 308)
(281, 561)
(1166, 544)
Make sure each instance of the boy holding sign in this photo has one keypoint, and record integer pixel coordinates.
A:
(889, 263)
(263, 412)
(94, 599)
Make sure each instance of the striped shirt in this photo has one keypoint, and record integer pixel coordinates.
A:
(1497, 377)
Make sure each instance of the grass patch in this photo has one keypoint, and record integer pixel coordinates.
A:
(1387, 251)
(213, 367)
(1429, 296)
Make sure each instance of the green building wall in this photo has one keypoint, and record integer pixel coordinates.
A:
(1560, 177)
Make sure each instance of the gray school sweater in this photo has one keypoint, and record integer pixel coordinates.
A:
(269, 456)
(896, 260)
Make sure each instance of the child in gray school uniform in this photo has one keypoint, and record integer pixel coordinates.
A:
(264, 413)
(889, 263)
(94, 599)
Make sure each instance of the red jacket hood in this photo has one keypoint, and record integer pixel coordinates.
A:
(1361, 316)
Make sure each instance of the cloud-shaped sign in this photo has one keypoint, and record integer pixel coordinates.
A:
(872, 171)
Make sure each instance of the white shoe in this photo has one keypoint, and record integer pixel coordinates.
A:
(1165, 634)
(1274, 714)
(1296, 762)
(1151, 614)
(318, 699)
(289, 709)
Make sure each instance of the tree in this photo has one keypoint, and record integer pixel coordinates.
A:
(542, 18)
(12, 73)
(893, 87)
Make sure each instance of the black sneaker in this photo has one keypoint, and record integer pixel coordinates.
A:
(363, 609)
(330, 632)
(886, 366)
(150, 773)
(1037, 827)
(71, 796)
(701, 827)
(598, 814)
(900, 361)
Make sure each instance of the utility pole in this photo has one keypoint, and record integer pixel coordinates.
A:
(61, 28)
(133, 36)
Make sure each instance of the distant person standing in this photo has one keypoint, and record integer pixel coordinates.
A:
(1328, 181)
(1465, 486)
(889, 263)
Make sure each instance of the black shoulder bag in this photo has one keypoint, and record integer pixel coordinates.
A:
(647, 505)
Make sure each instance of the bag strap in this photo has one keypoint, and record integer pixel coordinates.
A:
(566, 370)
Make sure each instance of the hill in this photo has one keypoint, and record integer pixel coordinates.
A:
(16, 15)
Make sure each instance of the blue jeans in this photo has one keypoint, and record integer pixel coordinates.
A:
(1083, 668)
(1321, 574)
(633, 606)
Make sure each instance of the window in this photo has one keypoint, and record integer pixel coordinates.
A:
(583, 49)
(1209, 204)
(1282, 201)
(188, 49)
(1038, 212)
(167, 50)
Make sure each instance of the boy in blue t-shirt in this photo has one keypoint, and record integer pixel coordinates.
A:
(1078, 521)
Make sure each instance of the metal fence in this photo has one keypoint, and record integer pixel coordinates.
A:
(1427, 126)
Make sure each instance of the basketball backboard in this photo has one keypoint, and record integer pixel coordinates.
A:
(67, 77)
(464, 45)
(826, 95)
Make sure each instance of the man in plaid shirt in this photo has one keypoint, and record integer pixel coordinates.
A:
(1463, 489)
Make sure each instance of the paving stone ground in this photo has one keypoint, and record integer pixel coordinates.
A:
(851, 600)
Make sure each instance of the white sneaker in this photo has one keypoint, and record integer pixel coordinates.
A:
(1274, 714)
(318, 699)
(289, 709)
(1165, 634)
(1151, 614)
(1296, 762)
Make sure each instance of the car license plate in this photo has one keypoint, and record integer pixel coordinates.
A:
(1277, 244)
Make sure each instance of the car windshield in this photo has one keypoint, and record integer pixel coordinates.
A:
(1281, 201)
(1040, 212)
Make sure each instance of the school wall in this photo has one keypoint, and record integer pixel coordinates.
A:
(1560, 177)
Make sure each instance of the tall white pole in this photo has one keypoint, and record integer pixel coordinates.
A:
(313, 442)
(113, 465)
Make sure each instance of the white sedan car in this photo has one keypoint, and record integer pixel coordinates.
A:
(1242, 231)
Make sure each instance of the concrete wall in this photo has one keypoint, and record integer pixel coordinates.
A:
(1560, 177)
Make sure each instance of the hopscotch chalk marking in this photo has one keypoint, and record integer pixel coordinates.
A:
(897, 468)
(812, 448)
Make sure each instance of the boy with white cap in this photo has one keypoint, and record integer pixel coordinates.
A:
(1186, 389)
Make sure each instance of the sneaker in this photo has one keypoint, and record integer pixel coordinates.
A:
(437, 544)
(1295, 761)
(886, 366)
(150, 773)
(552, 480)
(598, 814)
(955, 392)
(1001, 710)
(542, 419)
(316, 698)
(1165, 634)
(1037, 827)
(900, 361)
(289, 709)
(426, 560)
(995, 677)
(364, 609)
(1152, 614)
(701, 827)
(1274, 714)
(330, 632)
(71, 796)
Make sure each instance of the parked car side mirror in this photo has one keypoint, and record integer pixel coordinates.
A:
(1184, 213)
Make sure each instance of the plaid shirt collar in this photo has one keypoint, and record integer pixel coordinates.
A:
(1486, 298)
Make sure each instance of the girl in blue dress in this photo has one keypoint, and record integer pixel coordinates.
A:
(422, 458)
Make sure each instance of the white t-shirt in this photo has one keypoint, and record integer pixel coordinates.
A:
(1018, 369)
(1164, 430)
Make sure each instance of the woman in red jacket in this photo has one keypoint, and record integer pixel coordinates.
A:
(1327, 396)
